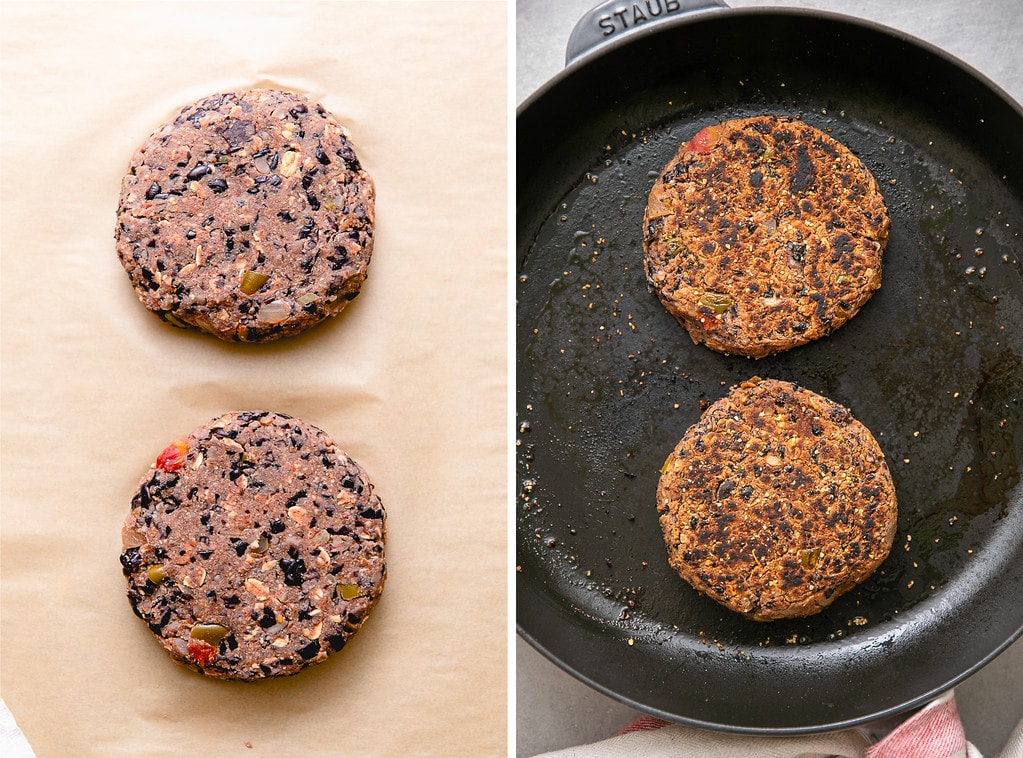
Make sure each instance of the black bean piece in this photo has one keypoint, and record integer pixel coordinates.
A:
(153, 191)
(198, 172)
(131, 561)
(322, 156)
(268, 619)
(294, 571)
(217, 185)
(347, 154)
(313, 202)
(310, 650)
(336, 641)
(297, 110)
(237, 132)
(274, 160)
(725, 489)
(293, 500)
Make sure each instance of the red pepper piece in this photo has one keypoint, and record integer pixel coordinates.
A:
(704, 140)
(173, 456)
(201, 652)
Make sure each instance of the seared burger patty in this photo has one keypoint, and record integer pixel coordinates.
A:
(762, 234)
(776, 502)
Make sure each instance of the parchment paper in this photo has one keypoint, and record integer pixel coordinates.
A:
(411, 379)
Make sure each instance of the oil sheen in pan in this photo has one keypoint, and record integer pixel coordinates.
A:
(608, 382)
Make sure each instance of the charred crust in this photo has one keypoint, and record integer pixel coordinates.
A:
(776, 502)
(778, 219)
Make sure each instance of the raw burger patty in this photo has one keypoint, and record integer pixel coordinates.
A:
(248, 217)
(762, 234)
(776, 502)
(254, 548)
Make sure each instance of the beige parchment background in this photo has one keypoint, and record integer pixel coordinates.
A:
(411, 379)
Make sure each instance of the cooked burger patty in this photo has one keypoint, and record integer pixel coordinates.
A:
(248, 217)
(762, 234)
(254, 547)
(776, 502)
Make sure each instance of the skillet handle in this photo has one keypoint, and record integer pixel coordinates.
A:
(614, 18)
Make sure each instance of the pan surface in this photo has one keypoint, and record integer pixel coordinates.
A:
(607, 382)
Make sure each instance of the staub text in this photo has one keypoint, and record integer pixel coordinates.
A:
(634, 14)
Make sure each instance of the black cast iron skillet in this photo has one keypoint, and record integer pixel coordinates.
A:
(607, 381)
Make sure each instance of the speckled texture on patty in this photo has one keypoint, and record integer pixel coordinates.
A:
(762, 234)
(776, 502)
(248, 217)
(254, 547)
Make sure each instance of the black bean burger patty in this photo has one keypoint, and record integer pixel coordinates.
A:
(776, 501)
(248, 217)
(762, 234)
(254, 547)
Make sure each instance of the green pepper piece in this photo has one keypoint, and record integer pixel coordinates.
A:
(349, 591)
(252, 281)
(716, 301)
(809, 558)
(209, 633)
